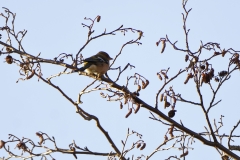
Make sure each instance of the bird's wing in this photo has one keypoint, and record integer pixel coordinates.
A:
(95, 59)
(85, 67)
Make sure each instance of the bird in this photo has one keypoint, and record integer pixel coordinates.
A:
(97, 64)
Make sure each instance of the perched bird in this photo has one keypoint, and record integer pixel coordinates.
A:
(97, 64)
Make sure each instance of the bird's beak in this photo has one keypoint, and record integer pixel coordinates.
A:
(110, 58)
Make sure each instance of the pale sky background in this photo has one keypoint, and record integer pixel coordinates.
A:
(54, 27)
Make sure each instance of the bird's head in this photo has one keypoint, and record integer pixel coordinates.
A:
(104, 55)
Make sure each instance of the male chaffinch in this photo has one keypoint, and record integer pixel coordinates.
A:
(97, 64)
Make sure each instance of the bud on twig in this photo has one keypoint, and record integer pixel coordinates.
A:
(129, 112)
(171, 113)
(190, 75)
(138, 145)
(144, 85)
(222, 73)
(163, 45)
(137, 108)
(22, 146)
(217, 53)
(143, 146)
(205, 78)
(121, 105)
(9, 59)
(2, 143)
(166, 104)
(186, 58)
(139, 88)
(164, 74)
(223, 52)
(98, 18)
(161, 97)
(41, 138)
(140, 34)
(159, 76)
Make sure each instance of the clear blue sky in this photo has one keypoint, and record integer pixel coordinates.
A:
(54, 27)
